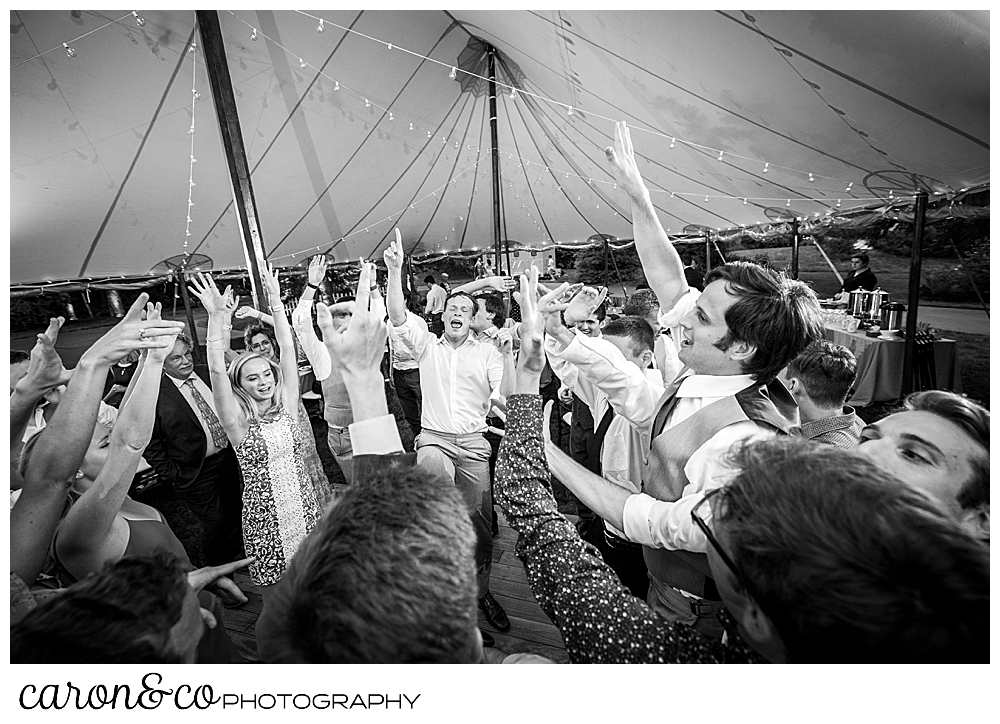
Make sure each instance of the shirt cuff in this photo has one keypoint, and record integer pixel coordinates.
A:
(635, 515)
(376, 436)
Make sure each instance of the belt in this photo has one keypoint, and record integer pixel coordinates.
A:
(706, 607)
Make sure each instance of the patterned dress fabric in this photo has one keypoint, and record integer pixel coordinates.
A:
(313, 465)
(280, 505)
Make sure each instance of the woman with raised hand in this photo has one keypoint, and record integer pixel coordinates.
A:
(103, 523)
(257, 402)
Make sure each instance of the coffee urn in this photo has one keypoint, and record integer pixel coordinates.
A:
(892, 316)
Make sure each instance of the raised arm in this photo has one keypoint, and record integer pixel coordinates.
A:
(395, 303)
(45, 372)
(660, 262)
(231, 416)
(245, 312)
(497, 284)
(89, 522)
(286, 343)
(316, 351)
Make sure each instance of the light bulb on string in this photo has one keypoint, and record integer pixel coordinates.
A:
(848, 189)
(192, 47)
(673, 142)
(571, 111)
(720, 155)
(766, 166)
(513, 94)
(428, 134)
(744, 202)
(368, 103)
(838, 203)
(195, 93)
(336, 85)
(253, 35)
(706, 199)
(890, 195)
(302, 63)
(788, 203)
(391, 117)
(70, 52)
(319, 28)
(811, 178)
(411, 126)
(138, 20)
(454, 73)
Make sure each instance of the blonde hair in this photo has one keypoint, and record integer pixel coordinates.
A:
(247, 403)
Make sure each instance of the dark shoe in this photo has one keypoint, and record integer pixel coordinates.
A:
(494, 612)
(495, 525)
(488, 641)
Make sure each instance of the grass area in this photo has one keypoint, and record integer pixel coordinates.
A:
(893, 272)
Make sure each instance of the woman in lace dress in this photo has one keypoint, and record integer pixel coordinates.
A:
(258, 408)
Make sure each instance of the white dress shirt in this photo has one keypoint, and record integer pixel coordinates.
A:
(206, 392)
(455, 383)
(402, 359)
(435, 300)
(315, 351)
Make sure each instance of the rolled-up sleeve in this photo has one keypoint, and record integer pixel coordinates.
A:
(316, 352)
(412, 337)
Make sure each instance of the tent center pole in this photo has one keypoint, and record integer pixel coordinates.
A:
(919, 214)
(495, 155)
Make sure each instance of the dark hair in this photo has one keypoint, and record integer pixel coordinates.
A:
(121, 614)
(429, 279)
(643, 303)
(974, 420)
(388, 576)
(252, 330)
(602, 311)
(780, 317)
(827, 371)
(850, 564)
(496, 307)
(862, 256)
(453, 295)
(19, 355)
(636, 329)
(345, 298)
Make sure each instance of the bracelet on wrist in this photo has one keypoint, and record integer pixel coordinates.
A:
(312, 286)
(227, 327)
(277, 307)
(216, 346)
(213, 340)
(562, 317)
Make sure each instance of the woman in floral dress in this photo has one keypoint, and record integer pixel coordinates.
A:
(258, 408)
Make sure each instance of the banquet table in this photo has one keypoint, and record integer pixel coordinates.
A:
(880, 365)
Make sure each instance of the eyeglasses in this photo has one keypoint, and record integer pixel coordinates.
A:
(714, 542)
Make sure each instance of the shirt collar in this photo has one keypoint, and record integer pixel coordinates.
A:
(471, 339)
(178, 382)
(713, 385)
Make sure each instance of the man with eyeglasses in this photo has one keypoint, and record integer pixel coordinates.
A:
(819, 556)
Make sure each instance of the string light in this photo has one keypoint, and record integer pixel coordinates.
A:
(744, 202)
(368, 103)
(302, 63)
(838, 203)
(195, 95)
(253, 35)
(391, 116)
(788, 203)
(570, 111)
(320, 28)
(673, 142)
(766, 165)
(454, 73)
(336, 85)
(411, 126)
(513, 94)
(69, 51)
(848, 189)
(138, 20)
(811, 179)
(720, 155)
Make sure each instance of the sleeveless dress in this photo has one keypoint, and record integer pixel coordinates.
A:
(280, 505)
(147, 537)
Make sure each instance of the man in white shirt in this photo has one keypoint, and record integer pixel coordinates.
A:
(336, 405)
(734, 338)
(458, 376)
(435, 304)
(626, 347)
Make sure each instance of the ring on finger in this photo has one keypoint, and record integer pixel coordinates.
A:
(142, 333)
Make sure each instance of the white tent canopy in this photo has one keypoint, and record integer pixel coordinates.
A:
(738, 118)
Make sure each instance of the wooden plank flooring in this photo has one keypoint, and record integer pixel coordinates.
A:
(530, 629)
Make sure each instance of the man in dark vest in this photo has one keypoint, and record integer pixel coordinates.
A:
(733, 339)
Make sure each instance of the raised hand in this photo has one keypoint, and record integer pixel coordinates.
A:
(159, 353)
(203, 287)
(504, 341)
(130, 334)
(622, 160)
(532, 358)
(317, 269)
(231, 300)
(358, 350)
(45, 367)
(583, 304)
(501, 284)
(393, 255)
(269, 276)
(245, 312)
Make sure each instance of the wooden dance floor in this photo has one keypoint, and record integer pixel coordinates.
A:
(530, 629)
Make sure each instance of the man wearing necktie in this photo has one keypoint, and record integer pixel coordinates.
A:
(190, 451)
(733, 339)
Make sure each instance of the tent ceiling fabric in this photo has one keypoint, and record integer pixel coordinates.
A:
(100, 149)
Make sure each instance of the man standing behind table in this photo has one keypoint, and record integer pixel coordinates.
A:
(189, 450)
(336, 405)
(860, 276)
(435, 304)
(734, 338)
(458, 375)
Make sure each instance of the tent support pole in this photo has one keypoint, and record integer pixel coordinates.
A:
(214, 51)
(192, 330)
(795, 248)
(708, 252)
(495, 155)
(919, 214)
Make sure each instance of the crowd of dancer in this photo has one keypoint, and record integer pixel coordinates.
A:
(720, 501)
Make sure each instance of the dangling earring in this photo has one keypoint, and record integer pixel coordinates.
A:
(79, 474)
